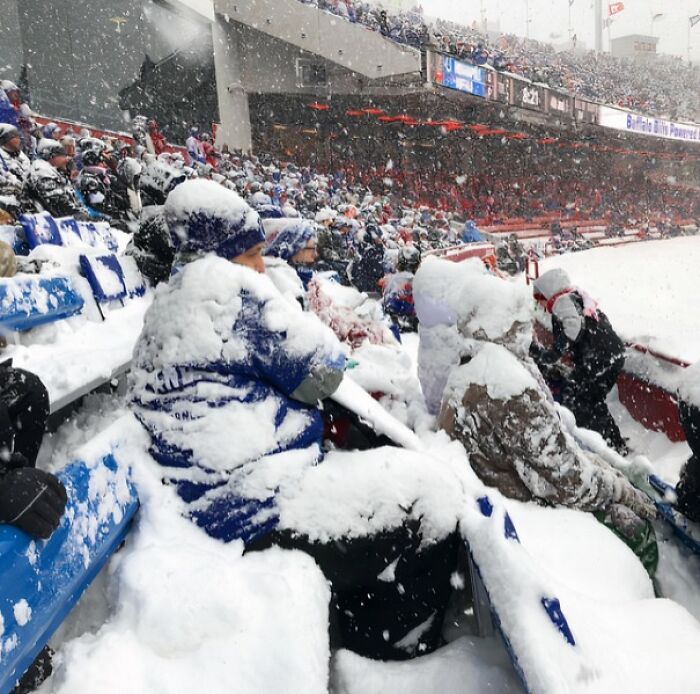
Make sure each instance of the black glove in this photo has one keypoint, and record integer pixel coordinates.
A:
(32, 500)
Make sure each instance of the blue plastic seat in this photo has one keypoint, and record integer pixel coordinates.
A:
(105, 276)
(27, 301)
(40, 582)
(40, 229)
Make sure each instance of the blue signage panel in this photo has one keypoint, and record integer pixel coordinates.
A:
(463, 77)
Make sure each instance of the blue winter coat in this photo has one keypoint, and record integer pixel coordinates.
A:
(7, 113)
(220, 354)
(470, 233)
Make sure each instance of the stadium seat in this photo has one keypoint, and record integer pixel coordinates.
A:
(105, 276)
(40, 229)
(42, 581)
(28, 301)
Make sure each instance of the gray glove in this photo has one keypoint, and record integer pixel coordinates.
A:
(322, 382)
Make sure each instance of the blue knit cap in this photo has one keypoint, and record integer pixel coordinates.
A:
(292, 239)
(204, 217)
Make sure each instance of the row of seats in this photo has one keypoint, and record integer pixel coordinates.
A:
(28, 301)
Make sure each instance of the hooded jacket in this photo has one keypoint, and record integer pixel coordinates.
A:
(578, 326)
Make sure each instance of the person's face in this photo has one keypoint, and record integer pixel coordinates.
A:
(13, 145)
(252, 258)
(60, 161)
(307, 255)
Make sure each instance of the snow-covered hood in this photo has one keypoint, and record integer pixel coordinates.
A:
(551, 283)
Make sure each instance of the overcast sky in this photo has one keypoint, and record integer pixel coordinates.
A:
(549, 19)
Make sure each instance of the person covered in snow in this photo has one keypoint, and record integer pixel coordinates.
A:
(228, 376)
(397, 289)
(688, 488)
(48, 186)
(582, 330)
(14, 167)
(290, 257)
(194, 147)
(152, 246)
(497, 405)
(367, 267)
(335, 244)
(95, 179)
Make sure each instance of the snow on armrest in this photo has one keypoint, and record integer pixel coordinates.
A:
(105, 275)
(28, 301)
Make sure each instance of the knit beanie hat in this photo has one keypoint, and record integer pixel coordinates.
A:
(290, 240)
(204, 217)
(7, 132)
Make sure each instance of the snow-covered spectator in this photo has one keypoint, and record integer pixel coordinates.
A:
(48, 186)
(152, 246)
(14, 168)
(227, 380)
(496, 404)
(583, 331)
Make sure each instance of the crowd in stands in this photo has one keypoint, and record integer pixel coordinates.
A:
(665, 86)
(369, 228)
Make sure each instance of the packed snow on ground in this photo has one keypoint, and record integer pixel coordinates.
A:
(649, 290)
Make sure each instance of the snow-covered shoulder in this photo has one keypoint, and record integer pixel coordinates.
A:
(494, 367)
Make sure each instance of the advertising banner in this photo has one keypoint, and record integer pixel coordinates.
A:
(528, 95)
(498, 87)
(558, 104)
(456, 74)
(586, 111)
(617, 119)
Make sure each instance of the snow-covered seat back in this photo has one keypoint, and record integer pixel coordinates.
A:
(98, 235)
(133, 279)
(40, 229)
(69, 232)
(27, 301)
(105, 276)
(14, 237)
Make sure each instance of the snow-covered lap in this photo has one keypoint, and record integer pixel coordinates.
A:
(355, 494)
(648, 290)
